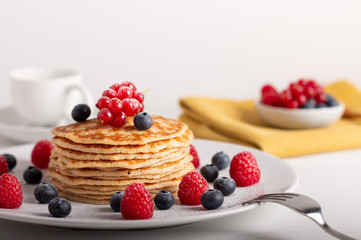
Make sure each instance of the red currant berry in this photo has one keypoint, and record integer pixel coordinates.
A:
(308, 91)
(125, 92)
(141, 107)
(285, 97)
(291, 104)
(136, 106)
(115, 105)
(302, 82)
(105, 116)
(139, 96)
(312, 83)
(103, 102)
(110, 93)
(115, 86)
(320, 98)
(119, 120)
(318, 90)
(130, 107)
(301, 100)
(296, 89)
(130, 85)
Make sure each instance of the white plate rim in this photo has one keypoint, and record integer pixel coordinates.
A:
(149, 223)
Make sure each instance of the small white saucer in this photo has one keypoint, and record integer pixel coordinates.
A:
(300, 118)
(14, 128)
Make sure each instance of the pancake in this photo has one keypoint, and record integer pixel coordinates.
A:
(100, 200)
(169, 185)
(91, 161)
(181, 141)
(93, 132)
(147, 172)
(72, 154)
(128, 164)
(151, 177)
(123, 182)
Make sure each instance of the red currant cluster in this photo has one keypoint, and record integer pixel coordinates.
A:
(118, 102)
(295, 96)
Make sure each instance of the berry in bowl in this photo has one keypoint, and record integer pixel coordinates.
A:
(304, 104)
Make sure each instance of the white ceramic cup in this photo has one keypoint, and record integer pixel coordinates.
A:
(46, 96)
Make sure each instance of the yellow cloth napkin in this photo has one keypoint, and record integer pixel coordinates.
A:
(238, 122)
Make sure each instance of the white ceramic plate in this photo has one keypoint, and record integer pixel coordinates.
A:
(300, 118)
(14, 128)
(276, 176)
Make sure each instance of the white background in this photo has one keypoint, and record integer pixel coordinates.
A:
(181, 48)
(225, 49)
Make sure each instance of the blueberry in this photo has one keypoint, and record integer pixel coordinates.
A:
(11, 160)
(311, 103)
(321, 105)
(212, 199)
(45, 192)
(32, 175)
(225, 184)
(143, 121)
(209, 172)
(330, 101)
(59, 207)
(164, 200)
(221, 160)
(80, 112)
(115, 201)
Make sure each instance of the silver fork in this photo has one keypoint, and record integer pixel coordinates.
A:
(303, 205)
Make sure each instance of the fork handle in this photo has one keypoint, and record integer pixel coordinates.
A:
(335, 233)
(322, 223)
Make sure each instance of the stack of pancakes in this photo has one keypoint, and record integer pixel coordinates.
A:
(91, 161)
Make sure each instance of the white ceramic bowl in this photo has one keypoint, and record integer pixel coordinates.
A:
(300, 118)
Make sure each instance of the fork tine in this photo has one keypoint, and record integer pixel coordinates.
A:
(272, 197)
(276, 196)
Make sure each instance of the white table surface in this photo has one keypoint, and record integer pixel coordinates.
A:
(332, 178)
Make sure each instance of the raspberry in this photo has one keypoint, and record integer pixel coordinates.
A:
(244, 169)
(11, 194)
(40, 155)
(270, 96)
(4, 168)
(191, 188)
(194, 153)
(136, 202)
